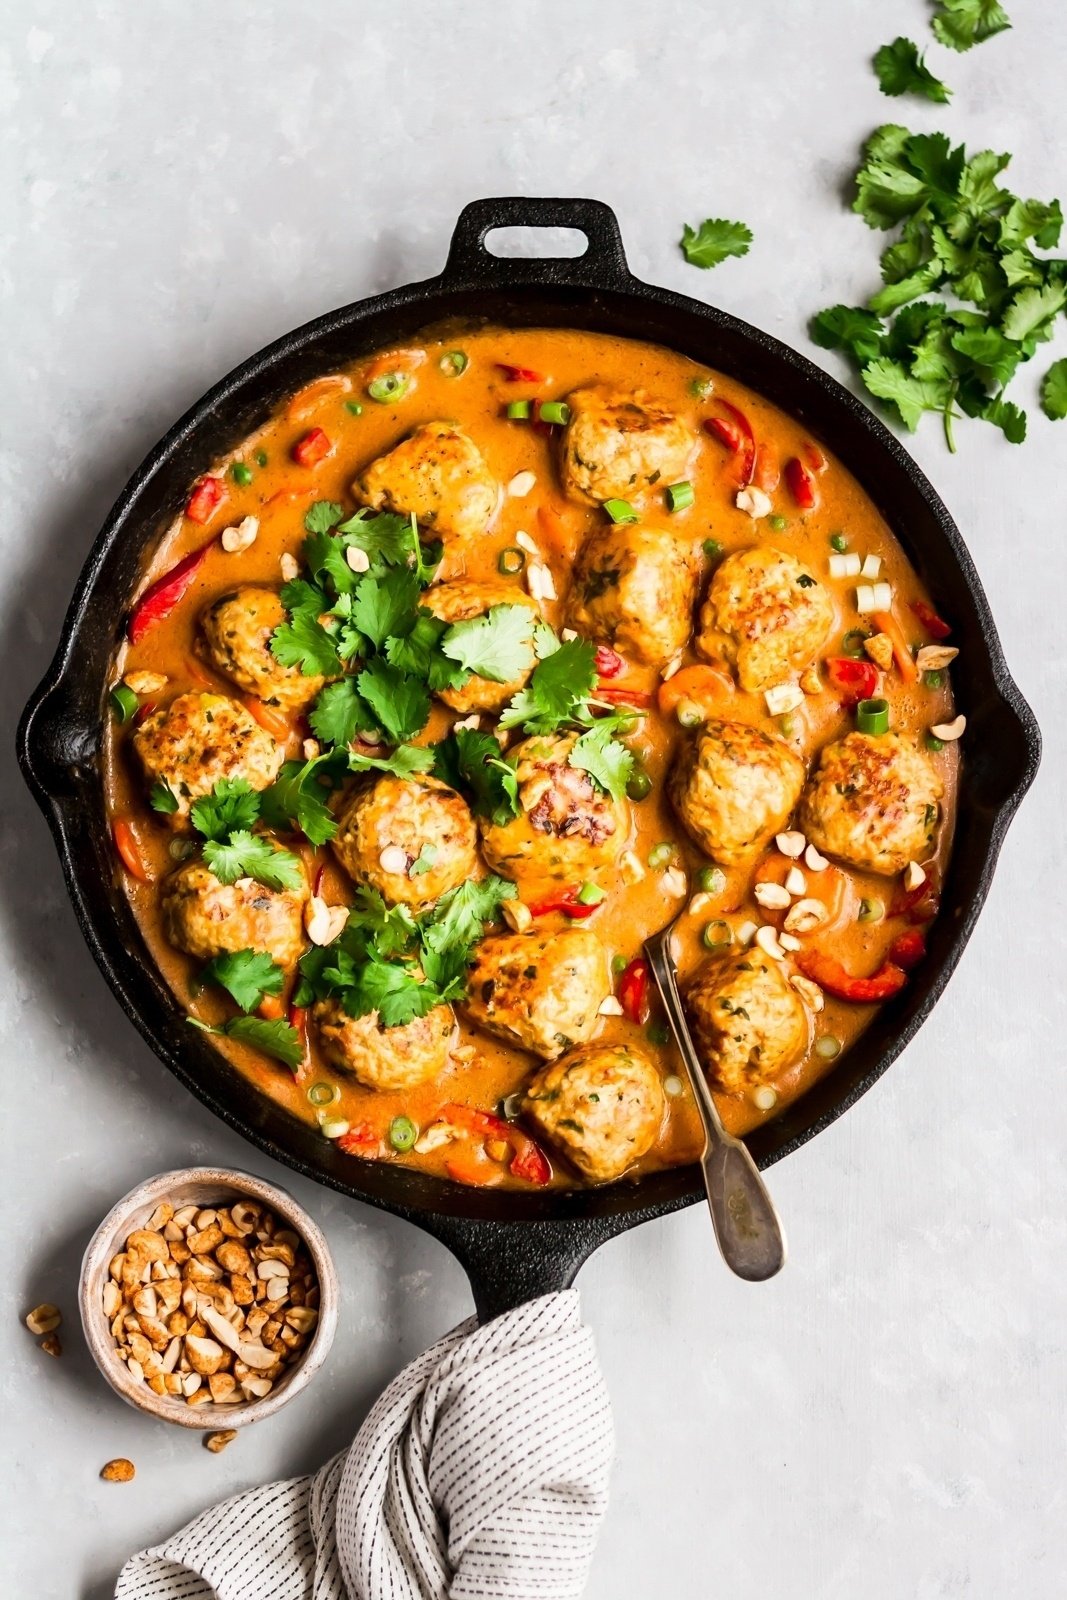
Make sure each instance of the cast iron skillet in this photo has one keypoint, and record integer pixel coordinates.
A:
(512, 1245)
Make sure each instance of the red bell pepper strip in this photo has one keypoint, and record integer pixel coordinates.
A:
(887, 623)
(520, 374)
(359, 1141)
(813, 457)
(625, 697)
(633, 991)
(314, 447)
(160, 598)
(768, 473)
(129, 849)
(918, 905)
(607, 661)
(829, 974)
(854, 680)
(725, 432)
(297, 1016)
(208, 494)
(800, 482)
(144, 711)
(528, 1160)
(566, 901)
(935, 626)
(740, 439)
(908, 949)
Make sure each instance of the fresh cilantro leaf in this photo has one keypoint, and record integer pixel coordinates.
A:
(419, 654)
(278, 1038)
(558, 685)
(848, 328)
(322, 516)
(339, 714)
(978, 193)
(470, 761)
(1033, 311)
(989, 349)
(1054, 391)
(392, 990)
(963, 23)
(400, 704)
(713, 241)
(897, 294)
(459, 919)
(247, 975)
(900, 69)
(498, 645)
(386, 605)
(911, 396)
(1032, 219)
(402, 762)
(324, 554)
(545, 639)
(232, 804)
(1008, 417)
(423, 861)
(303, 642)
(161, 797)
(296, 798)
(391, 929)
(250, 855)
(386, 539)
(609, 763)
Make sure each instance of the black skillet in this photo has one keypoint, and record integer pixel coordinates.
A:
(512, 1245)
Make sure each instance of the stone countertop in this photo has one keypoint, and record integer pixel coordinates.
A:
(182, 184)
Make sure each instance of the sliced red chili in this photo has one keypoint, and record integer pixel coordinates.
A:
(160, 598)
(800, 482)
(633, 991)
(208, 494)
(725, 432)
(624, 697)
(528, 1161)
(768, 472)
(314, 447)
(935, 626)
(739, 438)
(813, 457)
(854, 680)
(607, 661)
(359, 1141)
(918, 905)
(566, 901)
(298, 1018)
(836, 980)
(520, 374)
(908, 949)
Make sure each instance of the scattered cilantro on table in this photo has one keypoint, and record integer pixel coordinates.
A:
(713, 241)
(901, 69)
(1054, 391)
(963, 23)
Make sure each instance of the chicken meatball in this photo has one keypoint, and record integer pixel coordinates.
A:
(765, 615)
(541, 991)
(461, 600)
(617, 445)
(206, 918)
(600, 1105)
(747, 1020)
(567, 829)
(634, 588)
(235, 638)
(385, 1058)
(733, 786)
(392, 826)
(199, 739)
(438, 475)
(873, 802)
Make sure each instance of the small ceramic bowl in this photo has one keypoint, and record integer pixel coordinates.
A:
(202, 1186)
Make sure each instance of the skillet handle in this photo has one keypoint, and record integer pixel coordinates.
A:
(602, 266)
(509, 1263)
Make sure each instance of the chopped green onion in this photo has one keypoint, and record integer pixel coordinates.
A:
(778, 522)
(619, 965)
(554, 411)
(323, 1094)
(661, 854)
(872, 716)
(519, 410)
(712, 548)
(242, 474)
(511, 1107)
(672, 1086)
(639, 784)
(717, 936)
(689, 714)
(934, 743)
(402, 1133)
(510, 562)
(658, 1033)
(852, 644)
(591, 894)
(163, 799)
(333, 1127)
(123, 702)
(454, 362)
(827, 1048)
(620, 510)
(839, 543)
(700, 388)
(680, 495)
(713, 880)
(355, 407)
(390, 386)
(934, 679)
(871, 910)
(261, 458)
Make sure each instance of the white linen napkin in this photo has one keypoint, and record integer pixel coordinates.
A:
(480, 1474)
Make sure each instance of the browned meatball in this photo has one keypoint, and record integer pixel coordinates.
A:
(766, 615)
(747, 1020)
(438, 475)
(236, 632)
(617, 445)
(600, 1105)
(199, 739)
(873, 802)
(540, 990)
(734, 786)
(412, 839)
(634, 588)
(567, 830)
(206, 918)
(385, 1058)
(459, 601)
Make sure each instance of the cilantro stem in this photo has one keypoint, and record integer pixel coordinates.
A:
(949, 413)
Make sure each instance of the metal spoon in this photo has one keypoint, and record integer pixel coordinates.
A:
(746, 1223)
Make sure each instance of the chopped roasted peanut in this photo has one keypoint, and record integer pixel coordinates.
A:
(218, 1441)
(44, 1318)
(118, 1471)
(51, 1345)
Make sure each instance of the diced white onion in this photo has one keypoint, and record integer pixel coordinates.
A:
(782, 698)
(743, 933)
(845, 566)
(672, 1086)
(865, 600)
(754, 501)
(883, 596)
(871, 567)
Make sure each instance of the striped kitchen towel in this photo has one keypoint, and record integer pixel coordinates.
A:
(480, 1474)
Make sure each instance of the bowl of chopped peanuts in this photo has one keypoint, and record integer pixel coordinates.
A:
(208, 1298)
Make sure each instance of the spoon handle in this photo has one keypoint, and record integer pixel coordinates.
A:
(746, 1224)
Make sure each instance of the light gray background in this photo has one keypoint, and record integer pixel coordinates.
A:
(184, 182)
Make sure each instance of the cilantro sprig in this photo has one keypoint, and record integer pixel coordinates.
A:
(246, 975)
(276, 1038)
(714, 241)
(225, 819)
(901, 69)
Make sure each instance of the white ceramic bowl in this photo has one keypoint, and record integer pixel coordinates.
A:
(202, 1186)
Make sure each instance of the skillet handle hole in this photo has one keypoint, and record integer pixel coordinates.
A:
(543, 244)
